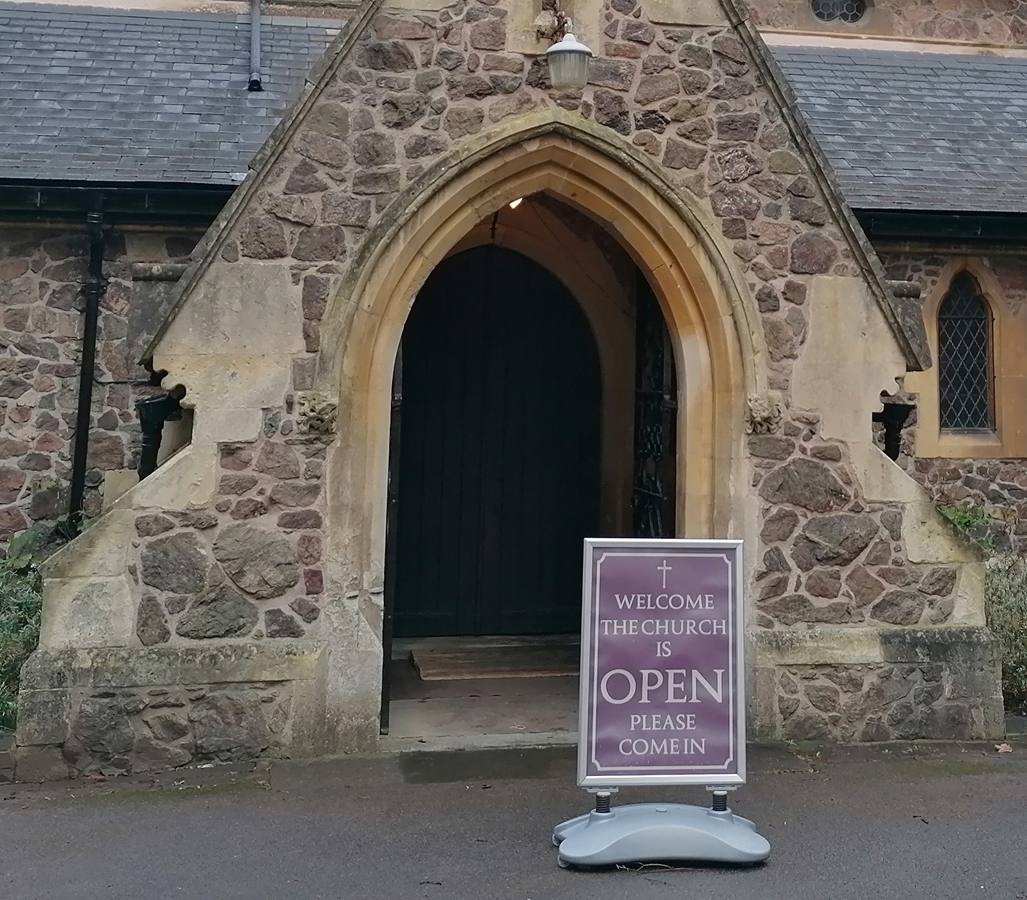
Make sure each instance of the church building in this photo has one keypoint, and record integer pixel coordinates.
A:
(344, 327)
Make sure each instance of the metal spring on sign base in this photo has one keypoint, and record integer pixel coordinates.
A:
(719, 801)
(602, 802)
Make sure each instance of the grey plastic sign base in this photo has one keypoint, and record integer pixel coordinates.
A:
(652, 832)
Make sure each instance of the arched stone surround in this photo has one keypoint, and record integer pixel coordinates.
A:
(716, 338)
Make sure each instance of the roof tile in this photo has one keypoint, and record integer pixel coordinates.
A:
(942, 132)
(111, 86)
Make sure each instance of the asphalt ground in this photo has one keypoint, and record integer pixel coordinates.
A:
(901, 821)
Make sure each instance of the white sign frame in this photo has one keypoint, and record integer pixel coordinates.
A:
(585, 720)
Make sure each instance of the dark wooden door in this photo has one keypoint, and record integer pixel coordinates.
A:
(499, 464)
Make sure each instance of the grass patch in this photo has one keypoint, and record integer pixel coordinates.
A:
(966, 518)
(20, 606)
(977, 525)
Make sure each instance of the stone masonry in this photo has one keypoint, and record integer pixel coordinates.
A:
(249, 567)
(688, 97)
(977, 21)
(41, 276)
(997, 488)
(831, 557)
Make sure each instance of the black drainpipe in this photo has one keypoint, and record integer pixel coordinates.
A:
(93, 290)
(256, 82)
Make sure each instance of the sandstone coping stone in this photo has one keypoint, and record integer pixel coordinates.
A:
(863, 645)
(123, 667)
(44, 717)
(39, 764)
(88, 612)
(100, 550)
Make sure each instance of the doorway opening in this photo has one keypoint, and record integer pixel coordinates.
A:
(499, 455)
(534, 405)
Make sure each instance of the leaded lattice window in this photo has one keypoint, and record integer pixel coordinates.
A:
(964, 357)
(848, 11)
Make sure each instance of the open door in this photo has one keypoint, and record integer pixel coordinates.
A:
(653, 492)
(391, 549)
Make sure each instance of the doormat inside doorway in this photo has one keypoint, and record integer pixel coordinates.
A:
(495, 662)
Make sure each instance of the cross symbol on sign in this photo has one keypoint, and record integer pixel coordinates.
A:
(665, 569)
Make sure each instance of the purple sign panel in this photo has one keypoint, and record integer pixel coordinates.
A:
(662, 695)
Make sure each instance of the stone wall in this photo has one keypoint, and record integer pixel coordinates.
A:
(977, 21)
(1005, 275)
(250, 566)
(994, 490)
(422, 86)
(831, 556)
(42, 272)
(114, 712)
(687, 97)
(996, 485)
(901, 698)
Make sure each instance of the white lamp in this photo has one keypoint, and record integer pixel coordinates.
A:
(568, 64)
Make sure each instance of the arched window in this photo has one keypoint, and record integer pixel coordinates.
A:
(848, 11)
(964, 357)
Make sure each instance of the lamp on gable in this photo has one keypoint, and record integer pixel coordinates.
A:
(568, 63)
(568, 57)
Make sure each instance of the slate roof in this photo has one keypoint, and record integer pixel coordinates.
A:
(917, 131)
(148, 97)
(91, 95)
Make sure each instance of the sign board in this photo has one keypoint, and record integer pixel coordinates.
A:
(662, 669)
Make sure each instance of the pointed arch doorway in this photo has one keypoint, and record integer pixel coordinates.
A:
(715, 339)
(529, 411)
(499, 458)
